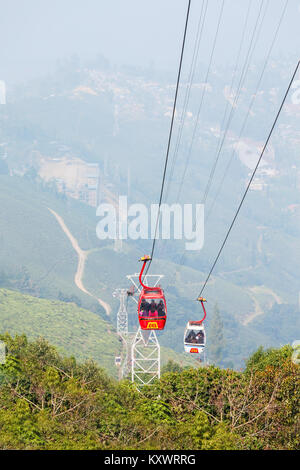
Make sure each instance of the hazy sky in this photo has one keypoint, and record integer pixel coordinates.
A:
(35, 33)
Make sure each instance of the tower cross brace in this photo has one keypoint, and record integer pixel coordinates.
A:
(142, 350)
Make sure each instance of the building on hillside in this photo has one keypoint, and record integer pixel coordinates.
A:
(87, 186)
(74, 177)
(93, 183)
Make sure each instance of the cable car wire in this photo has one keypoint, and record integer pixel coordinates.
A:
(236, 99)
(245, 69)
(237, 96)
(250, 181)
(194, 61)
(203, 96)
(170, 132)
(249, 108)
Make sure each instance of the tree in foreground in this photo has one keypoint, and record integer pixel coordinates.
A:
(53, 402)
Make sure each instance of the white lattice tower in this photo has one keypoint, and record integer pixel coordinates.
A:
(145, 358)
(122, 316)
(122, 330)
(145, 348)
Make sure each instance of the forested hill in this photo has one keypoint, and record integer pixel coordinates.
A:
(52, 402)
(119, 119)
(73, 330)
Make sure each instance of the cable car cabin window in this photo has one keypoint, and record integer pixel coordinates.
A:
(151, 308)
(194, 337)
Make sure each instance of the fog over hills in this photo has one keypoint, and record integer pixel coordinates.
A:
(88, 122)
(92, 115)
(37, 34)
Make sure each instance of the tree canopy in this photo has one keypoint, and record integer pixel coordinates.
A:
(53, 402)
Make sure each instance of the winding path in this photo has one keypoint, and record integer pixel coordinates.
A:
(253, 291)
(82, 256)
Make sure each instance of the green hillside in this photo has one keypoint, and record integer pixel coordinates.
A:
(73, 330)
(258, 266)
(35, 255)
(37, 258)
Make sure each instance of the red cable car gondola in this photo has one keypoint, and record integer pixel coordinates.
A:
(152, 308)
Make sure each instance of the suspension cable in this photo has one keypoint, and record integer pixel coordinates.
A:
(249, 109)
(244, 72)
(251, 179)
(171, 131)
(245, 68)
(194, 61)
(212, 52)
(202, 97)
(235, 101)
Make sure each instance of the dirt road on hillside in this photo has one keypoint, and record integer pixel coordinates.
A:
(258, 310)
(82, 256)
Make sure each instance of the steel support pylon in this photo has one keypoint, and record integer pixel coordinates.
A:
(145, 348)
(145, 358)
(122, 330)
(141, 350)
(122, 316)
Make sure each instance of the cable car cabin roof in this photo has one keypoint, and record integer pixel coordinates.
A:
(155, 293)
(195, 325)
(148, 290)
